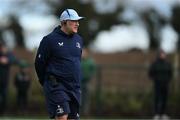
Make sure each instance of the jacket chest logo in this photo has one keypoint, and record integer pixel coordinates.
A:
(61, 44)
(78, 45)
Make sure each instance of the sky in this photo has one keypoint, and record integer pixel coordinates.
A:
(118, 38)
(121, 38)
(124, 38)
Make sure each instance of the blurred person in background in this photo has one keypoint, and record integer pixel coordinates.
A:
(22, 83)
(58, 66)
(6, 60)
(161, 73)
(88, 70)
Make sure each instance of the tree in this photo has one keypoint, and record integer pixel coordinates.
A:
(1, 37)
(151, 19)
(176, 23)
(18, 31)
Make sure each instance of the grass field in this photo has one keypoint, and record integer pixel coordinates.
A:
(6, 118)
(80, 119)
(19, 118)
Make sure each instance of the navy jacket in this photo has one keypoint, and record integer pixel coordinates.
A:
(59, 54)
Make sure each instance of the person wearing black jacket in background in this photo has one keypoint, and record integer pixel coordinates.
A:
(6, 60)
(161, 73)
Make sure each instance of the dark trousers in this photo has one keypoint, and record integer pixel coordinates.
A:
(160, 98)
(22, 99)
(3, 97)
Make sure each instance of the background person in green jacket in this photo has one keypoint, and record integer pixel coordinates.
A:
(22, 82)
(88, 70)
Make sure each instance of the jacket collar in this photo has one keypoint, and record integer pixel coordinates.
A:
(59, 31)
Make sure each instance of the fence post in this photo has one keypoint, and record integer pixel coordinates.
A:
(176, 66)
(98, 90)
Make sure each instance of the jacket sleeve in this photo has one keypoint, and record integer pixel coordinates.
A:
(41, 59)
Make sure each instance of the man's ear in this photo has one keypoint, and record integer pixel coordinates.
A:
(64, 22)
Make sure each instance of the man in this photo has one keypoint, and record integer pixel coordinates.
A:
(161, 74)
(88, 69)
(6, 60)
(58, 67)
(22, 82)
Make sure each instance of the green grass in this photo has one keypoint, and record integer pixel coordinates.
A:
(12, 118)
